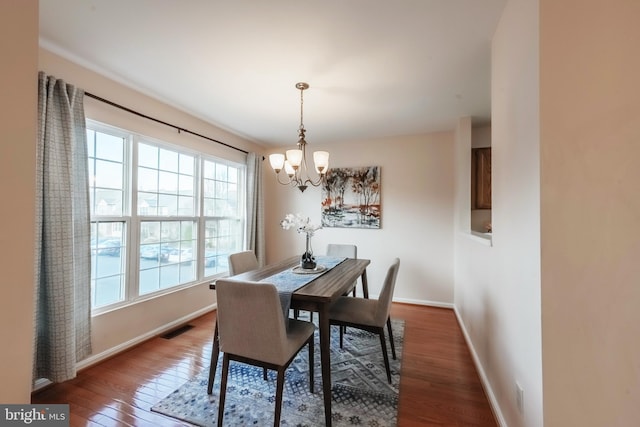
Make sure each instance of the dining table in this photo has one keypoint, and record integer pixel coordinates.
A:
(316, 296)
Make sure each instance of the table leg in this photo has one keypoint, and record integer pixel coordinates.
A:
(365, 285)
(325, 358)
(215, 351)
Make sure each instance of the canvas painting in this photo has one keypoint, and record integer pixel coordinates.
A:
(351, 198)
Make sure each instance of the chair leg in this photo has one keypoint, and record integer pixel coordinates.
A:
(341, 335)
(264, 373)
(383, 344)
(223, 388)
(343, 331)
(393, 346)
(215, 351)
(311, 345)
(279, 388)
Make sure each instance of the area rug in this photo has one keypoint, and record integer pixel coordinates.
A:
(361, 394)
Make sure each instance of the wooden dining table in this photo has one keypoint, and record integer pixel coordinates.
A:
(315, 296)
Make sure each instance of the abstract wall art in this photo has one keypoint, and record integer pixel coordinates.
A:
(351, 198)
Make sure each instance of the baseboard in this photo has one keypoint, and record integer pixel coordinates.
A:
(40, 384)
(483, 377)
(423, 302)
(97, 358)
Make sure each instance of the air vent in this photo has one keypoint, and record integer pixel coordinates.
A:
(176, 332)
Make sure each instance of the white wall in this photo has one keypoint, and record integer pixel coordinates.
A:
(114, 330)
(497, 290)
(18, 124)
(417, 214)
(590, 212)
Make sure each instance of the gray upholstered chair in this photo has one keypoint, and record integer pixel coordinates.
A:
(252, 330)
(241, 262)
(369, 315)
(342, 250)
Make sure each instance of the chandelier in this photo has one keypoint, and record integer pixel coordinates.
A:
(295, 163)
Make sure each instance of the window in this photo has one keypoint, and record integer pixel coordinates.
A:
(222, 216)
(165, 182)
(167, 252)
(161, 216)
(107, 183)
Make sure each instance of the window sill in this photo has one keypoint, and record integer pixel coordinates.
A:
(485, 239)
(158, 294)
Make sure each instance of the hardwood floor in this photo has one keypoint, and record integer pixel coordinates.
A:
(439, 385)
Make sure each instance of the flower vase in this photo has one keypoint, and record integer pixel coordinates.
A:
(308, 261)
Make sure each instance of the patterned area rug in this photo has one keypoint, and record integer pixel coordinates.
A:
(360, 394)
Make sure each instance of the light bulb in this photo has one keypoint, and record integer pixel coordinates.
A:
(321, 161)
(277, 161)
(294, 157)
(289, 169)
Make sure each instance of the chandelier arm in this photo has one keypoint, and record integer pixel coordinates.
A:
(294, 181)
(307, 174)
(283, 183)
(315, 183)
(303, 165)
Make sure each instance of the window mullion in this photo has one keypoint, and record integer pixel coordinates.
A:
(134, 229)
(131, 264)
(200, 214)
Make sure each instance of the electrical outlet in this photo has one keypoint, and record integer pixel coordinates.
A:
(520, 398)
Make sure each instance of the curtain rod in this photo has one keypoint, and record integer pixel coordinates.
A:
(178, 128)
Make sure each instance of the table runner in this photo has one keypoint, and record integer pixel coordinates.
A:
(287, 282)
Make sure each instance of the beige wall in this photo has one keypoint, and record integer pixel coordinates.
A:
(417, 214)
(114, 330)
(497, 289)
(590, 212)
(18, 113)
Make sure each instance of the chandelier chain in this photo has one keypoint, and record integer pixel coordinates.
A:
(301, 109)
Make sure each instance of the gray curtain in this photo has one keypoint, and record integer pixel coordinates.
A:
(255, 207)
(62, 258)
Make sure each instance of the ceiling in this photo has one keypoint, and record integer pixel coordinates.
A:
(376, 68)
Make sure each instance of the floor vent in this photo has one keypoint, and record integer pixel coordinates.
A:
(176, 332)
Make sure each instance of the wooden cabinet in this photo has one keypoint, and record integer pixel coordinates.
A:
(481, 178)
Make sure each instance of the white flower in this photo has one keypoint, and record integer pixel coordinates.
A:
(300, 223)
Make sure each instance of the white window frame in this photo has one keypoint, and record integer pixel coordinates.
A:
(132, 221)
(242, 208)
(126, 210)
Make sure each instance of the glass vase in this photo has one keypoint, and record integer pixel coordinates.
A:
(308, 261)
